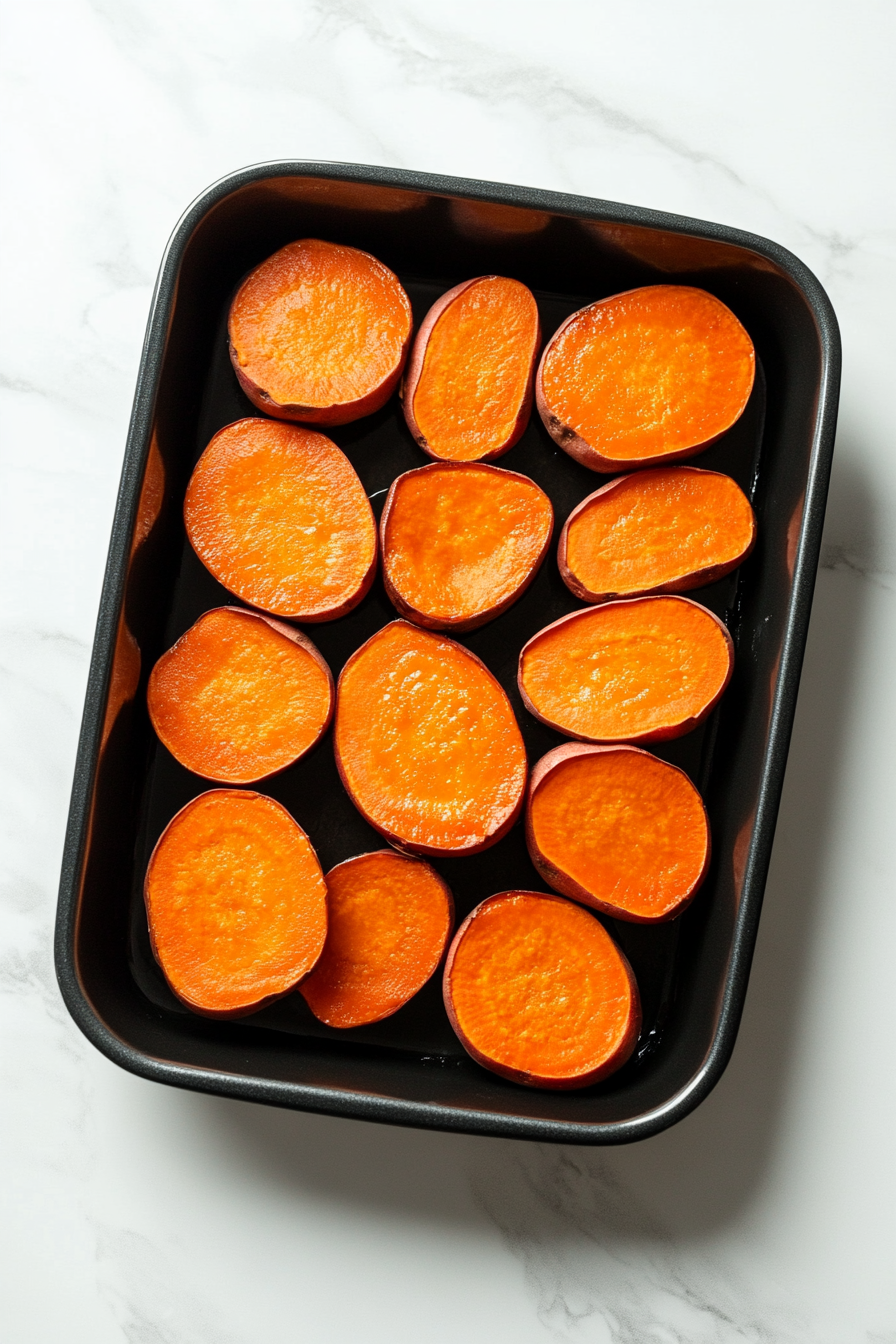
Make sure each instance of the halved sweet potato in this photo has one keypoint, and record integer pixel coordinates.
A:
(236, 903)
(461, 542)
(617, 829)
(662, 531)
(240, 696)
(538, 992)
(642, 670)
(648, 376)
(468, 389)
(278, 515)
(389, 922)
(319, 333)
(426, 743)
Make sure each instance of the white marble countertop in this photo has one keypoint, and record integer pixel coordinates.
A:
(140, 1214)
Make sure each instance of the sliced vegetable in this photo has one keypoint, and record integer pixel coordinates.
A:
(426, 743)
(641, 670)
(389, 922)
(661, 531)
(279, 517)
(648, 376)
(617, 829)
(236, 903)
(538, 992)
(240, 696)
(461, 543)
(468, 388)
(319, 333)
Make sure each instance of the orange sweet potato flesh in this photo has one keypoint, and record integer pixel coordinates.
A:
(538, 992)
(617, 829)
(236, 903)
(279, 517)
(461, 542)
(665, 530)
(426, 743)
(468, 388)
(240, 696)
(645, 377)
(319, 333)
(389, 922)
(643, 670)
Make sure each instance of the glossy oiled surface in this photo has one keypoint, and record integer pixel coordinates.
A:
(627, 670)
(629, 829)
(477, 369)
(461, 541)
(277, 514)
(319, 324)
(427, 742)
(656, 528)
(389, 918)
(236, 902)
(537, 987)
(650, 373)
(236, 699)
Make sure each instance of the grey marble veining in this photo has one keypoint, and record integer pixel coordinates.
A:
(139, 1215)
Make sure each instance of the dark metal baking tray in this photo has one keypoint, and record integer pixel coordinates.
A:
(435, 231)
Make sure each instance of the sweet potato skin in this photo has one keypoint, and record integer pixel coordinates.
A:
(699, 578)
(573, 444)
(409, 612)
(567, 885)
(415, 368)
(228, 1015)
(658, 735)
(621, 1055)
(321, 415)
(289, 632)
(406, 847)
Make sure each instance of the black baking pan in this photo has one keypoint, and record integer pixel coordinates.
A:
(693, 973)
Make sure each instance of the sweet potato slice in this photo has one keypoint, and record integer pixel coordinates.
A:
(236, 903)
(389, 922)
(319, 333)
(617, 829)
(240, 696)
(426, 743)
(648, 376)
(662, 531)
(278, 515)
(468, 388)
(643, 670)
(461, 542)
(538, 992)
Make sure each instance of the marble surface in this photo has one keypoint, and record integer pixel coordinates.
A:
(134, 1213)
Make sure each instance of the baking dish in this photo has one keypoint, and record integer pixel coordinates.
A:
(693, 973)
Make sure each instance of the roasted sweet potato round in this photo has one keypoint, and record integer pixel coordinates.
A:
(426, 743)
(538, 992)
(648, 376)
(642, 670)
(240, 696)
(617, 829)
(461, 542)
(389, 922)
(468, 388)
(319, 333)
(666, 530)
(279, 517)
(236, 903)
